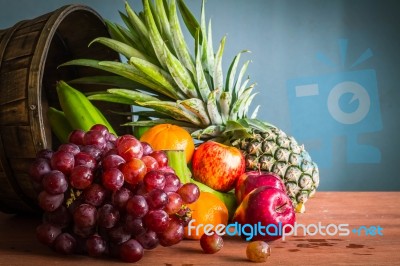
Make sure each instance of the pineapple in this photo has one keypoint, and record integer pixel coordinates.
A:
(188, 89)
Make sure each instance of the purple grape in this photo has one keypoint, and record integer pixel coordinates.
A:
(112, 179)
(189, 192)
(173, 234)
(154, 180)
(172, 182)
(118, 234)
(95, 246)
(95, 195)
(84, 232)
(107, 216)
(156, 220)
(148, 240)
(156, 199)
(95, 138)
(76, 136)
(137, 206)
(81, 177)
(112, 161)
(46, 233)
(134, 226)
(85, 215)
(85, 159)
(54, 182)
(69, 147)
(61, 217)
(131, 251)
(50, 202)
(62, 161)
(120, 198)
(44, 154)
(39, 168)
(174, 203)
(65, 244)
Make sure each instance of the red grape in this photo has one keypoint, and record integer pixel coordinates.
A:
(189, 192)
(65, 243)
(112, 161)
(211, 243)
(62, 161)
(134, 226)
(107, 216)
(173, 234)
(85, 215)
(46, 233)
(95, 245)
(134, 171)
(147, 149)
(156, 199)
(148, 240)
(54, 182)
(39, 168)
(118, 234)
(130, 149)
(69, 147)
(137, 206)
(160, 157)
(81, 177)
(172, 182)
(112, 179)
(95, 194)
(174, 203)
(120, 197)
(61, 217)
(150, 162)
(154, 180)
(49, 202)
(85, 159)
(156, 220)
(76, 136)
(95, 138)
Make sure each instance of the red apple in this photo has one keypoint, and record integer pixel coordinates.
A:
(268, 207)
(217, 165)
(251, 180)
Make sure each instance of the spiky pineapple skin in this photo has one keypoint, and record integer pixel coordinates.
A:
(274, 151)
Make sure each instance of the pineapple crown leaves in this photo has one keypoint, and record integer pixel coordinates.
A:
(162, 75)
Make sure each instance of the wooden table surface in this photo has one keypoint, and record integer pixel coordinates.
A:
(18, 245)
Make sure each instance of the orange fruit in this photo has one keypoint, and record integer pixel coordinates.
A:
(169, 137)
(207, 209)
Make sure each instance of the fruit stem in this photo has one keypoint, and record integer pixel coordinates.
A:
(177, 161)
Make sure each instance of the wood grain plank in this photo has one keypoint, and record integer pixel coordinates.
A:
(18, 245)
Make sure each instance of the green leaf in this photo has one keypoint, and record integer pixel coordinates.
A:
(180, 75)
(150, 123)
(158, 76)
(230, 81)
(107, 97)
(132, 95)
(141, 29)
(178, 40)
(154, 35)
(197, 107)
(173, 110)
(218, 77)
(120, 47)
(189, 19)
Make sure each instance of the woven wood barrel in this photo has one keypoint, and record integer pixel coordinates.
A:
(30, 53)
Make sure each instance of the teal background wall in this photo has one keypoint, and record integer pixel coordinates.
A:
(327, 72)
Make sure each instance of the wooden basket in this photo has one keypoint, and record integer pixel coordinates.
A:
(30, 53)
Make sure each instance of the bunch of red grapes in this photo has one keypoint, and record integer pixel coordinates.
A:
(107, 195)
